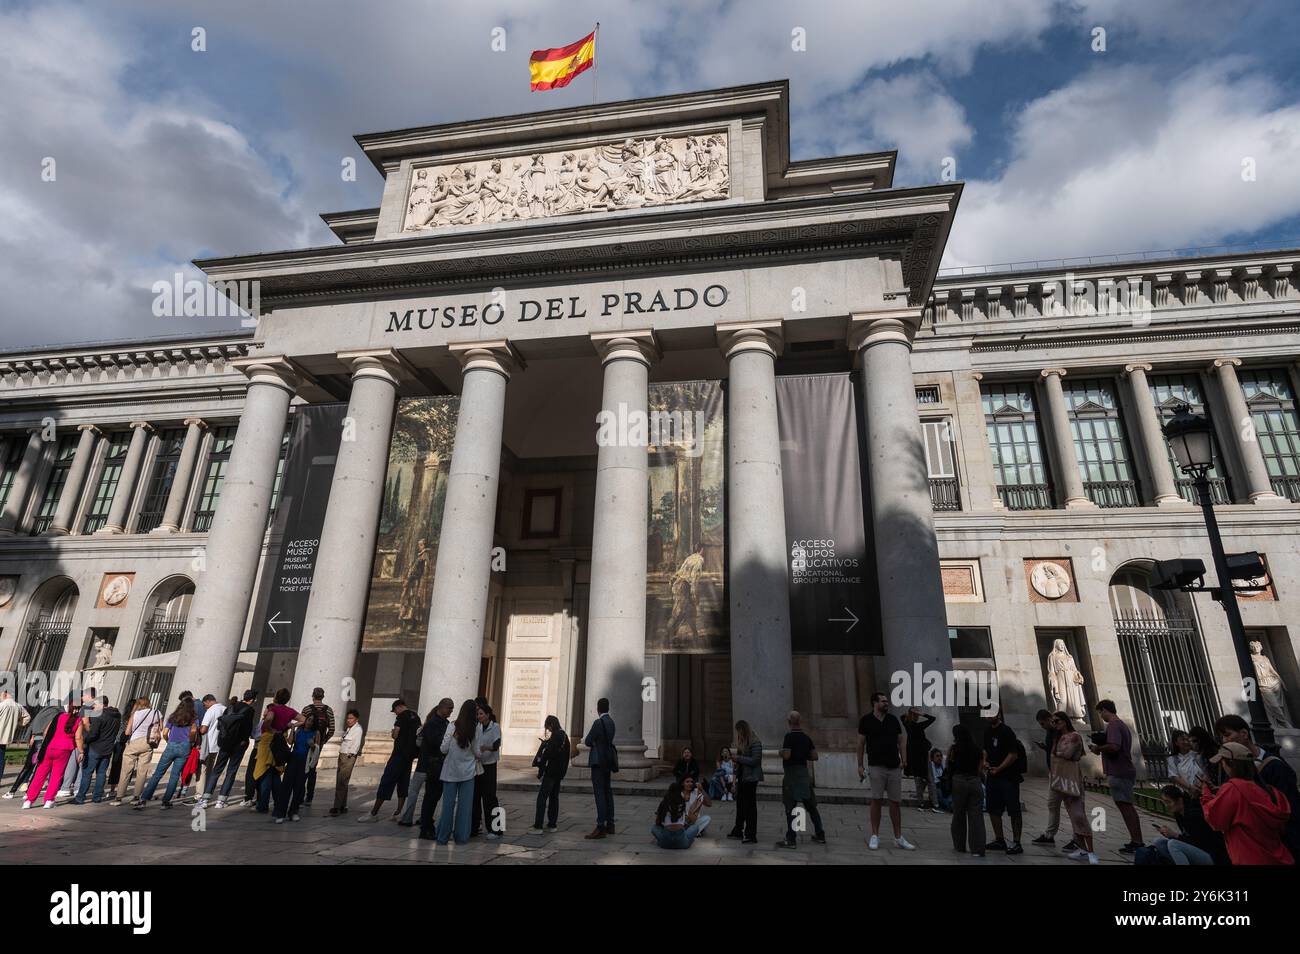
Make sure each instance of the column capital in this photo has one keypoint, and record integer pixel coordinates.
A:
(639, 345)
(876, 327)
(495, 355)
(273, 369)
(140, 425)
(383, 363)
(1053, 372)
(1130, 368)
(735, 337)
(1220, 363)
(88, 427)
(195, 422)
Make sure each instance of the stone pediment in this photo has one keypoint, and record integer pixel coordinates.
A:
(627, 174)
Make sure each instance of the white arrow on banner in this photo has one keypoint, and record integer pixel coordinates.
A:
(275, 621)
(843, 620)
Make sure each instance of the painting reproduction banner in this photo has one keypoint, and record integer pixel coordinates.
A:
(833, 586)
(686, 596)
(410, 523)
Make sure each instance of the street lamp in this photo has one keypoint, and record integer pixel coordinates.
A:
(1191, 439)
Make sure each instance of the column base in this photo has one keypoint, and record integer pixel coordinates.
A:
(1269, 499)
(1173, 500)
(640, 773)
(107, 531)
(56, 532)
(164, 528)
(1079, 503)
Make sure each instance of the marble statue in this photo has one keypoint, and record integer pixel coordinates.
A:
(626, 175)
(1065, 682)
(102, 659)
(1271, 691)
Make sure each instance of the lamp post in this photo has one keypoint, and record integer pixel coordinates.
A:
(1190, 437)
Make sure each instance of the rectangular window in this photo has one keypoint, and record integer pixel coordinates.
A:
(941, 464)
(63, 454)
(1105, 463)
(1277, 427)
(970, 642)
(114, 458)
(15, 445)
(1015, 446)
(1168, 392)
(223, 440)
(161, 475)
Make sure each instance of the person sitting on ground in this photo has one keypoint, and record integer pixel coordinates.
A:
(722, 785)
(1251, 814)
(671, 829)
(696, 801)
(940, 782)
(686, 766)
(1186, 767)
(1194, 842)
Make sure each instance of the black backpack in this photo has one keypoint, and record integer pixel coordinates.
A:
(1021, 767)
(234, 727)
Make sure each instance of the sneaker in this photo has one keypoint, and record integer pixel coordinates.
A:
(873, 842)
(116, 802)
(1070, 845)
(1093, 859)
(535, 829)
(551, 829)
(749, 841)
(1077, 855)
(1015, 849)
(221, 803)
(26, 804)
(8, 794)
(819, 839)
(491, 836)
(165, 804)
(63, 793)
(901, 842)
(734, 834)
(1044, 840)
(997, 845)
(936, 810)
(364, 817)
(278, 821)
(295, 818)
(1131, 847)
(48, 805)
(786, 844)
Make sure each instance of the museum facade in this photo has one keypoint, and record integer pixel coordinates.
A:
(620, 401)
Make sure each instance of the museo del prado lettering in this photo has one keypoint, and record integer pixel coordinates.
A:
(602, 305)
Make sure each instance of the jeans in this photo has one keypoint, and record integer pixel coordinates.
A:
(413, 788)
(96, 766)
(967, 814)
(602, 788)
(432, 794)
(173, 757)
(293, 788)
(1181, 853)
(548, 801)
(681, 837)
(458, 796)
(268, 787)
(228, 762)
(485, 801)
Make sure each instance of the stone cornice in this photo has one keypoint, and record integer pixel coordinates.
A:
(119, 365)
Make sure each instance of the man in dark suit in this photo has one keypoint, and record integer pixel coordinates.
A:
(600, 759)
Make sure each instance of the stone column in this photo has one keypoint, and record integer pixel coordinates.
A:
(453, 651)
(1258, 486)
(1165, 491)
(219, 611)
(66, 511)
(1058, 423)
(616, 615)
(913, 617)
(16, 502)
(758, 586)
(331, 627)
(179, 492)
(120, 509)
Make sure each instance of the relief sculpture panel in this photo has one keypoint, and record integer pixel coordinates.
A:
(630, 174)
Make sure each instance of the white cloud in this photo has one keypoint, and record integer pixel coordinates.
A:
(1122, 160)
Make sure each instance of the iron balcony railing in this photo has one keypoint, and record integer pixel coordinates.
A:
(1288, 487)
(945, 493)
(1220, 492)
(203, 521)
(1026, 496)
(1112, 493)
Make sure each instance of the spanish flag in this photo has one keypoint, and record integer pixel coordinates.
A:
(552, 69)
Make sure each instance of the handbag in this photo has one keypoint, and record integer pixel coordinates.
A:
(154, 733)
(1065, 777)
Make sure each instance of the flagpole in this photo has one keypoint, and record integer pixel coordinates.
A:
(595, 66)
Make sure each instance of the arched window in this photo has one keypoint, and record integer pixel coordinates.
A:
(166, 615)
(46, 633)
(1163, 654)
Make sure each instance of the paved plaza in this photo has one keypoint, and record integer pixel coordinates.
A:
(103, 834)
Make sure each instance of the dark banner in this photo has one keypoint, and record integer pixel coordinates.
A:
(833, 587)
(410, 523)
(686, 598)
(295, 535)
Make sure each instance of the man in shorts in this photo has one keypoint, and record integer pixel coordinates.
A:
(1117, 762)
(882, 741)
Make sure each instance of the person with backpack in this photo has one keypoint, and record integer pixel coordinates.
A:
(57, 747)
(1273, 770)
(428, 755)
(1251, 814)
(142, 729)
(325, 731)
(1194, 842)
(293, 788)
(234, 728)
(1007, 763)
(552, 764)
(271, 757)
(179, 732)
(101, 731)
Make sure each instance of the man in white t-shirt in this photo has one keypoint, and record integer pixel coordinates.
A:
(208, 751)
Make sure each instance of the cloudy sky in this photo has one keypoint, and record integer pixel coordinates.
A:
(162, 154)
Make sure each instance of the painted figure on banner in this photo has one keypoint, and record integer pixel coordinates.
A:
(686, 596)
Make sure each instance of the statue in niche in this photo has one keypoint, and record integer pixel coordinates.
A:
(101, 659)
(1065, 682)
(1271, 691)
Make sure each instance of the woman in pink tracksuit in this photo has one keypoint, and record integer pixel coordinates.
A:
(61, 743)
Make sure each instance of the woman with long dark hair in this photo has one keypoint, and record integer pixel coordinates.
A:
(459, 766)
(179, 733)
(552, 763)
(293, 789)
(57, 746)
(749, 759)
(670, 829)
(487, 746)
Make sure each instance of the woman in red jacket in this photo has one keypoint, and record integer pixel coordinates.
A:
(1250, 814)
